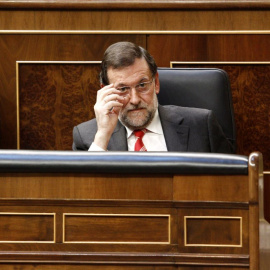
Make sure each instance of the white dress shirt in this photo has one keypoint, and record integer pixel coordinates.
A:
(153, 139)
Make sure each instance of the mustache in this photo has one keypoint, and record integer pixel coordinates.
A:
(135, 107)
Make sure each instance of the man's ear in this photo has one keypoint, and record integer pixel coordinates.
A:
(157, 84)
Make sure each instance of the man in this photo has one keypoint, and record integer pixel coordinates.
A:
(129, 118)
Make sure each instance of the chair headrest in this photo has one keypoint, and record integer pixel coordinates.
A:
(207, 88)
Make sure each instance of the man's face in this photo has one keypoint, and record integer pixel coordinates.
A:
(139, 107)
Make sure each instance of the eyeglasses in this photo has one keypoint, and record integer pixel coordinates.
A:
(140, 88)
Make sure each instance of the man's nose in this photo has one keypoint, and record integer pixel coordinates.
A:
(134, 97)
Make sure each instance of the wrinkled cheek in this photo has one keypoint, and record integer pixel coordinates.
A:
(124, 107)
(126, 100)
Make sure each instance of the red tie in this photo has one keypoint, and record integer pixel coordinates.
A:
(139, 146)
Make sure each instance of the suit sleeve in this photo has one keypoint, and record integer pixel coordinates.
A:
(218, 141)
(77, 140)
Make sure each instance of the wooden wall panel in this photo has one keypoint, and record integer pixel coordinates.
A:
(35, 47)
(81, 187)
(53, 98)
(217, 231)
(25, 227)
(249, 80)
(234, 240)
(135, 20)
(235, 188)
(113, 229)
(209, 47)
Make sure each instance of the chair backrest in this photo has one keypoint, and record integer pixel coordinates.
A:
(207, 88)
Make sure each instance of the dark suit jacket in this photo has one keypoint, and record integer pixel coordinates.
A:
(185, 130)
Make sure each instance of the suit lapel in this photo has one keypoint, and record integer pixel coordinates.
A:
(118, 141)
(176, 134)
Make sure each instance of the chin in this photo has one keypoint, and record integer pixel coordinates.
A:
(136, 120)
(137, 123)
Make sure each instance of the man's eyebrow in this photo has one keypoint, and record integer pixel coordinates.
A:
(121, 84)
(144, 79)
(124, 84)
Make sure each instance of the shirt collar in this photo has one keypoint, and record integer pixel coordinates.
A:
(154, 126)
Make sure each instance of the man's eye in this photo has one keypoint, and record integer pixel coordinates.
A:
(123, 89)
(142, 85)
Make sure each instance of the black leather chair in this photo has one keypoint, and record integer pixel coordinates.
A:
(207, 88)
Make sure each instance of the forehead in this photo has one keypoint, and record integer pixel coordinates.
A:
(131, 74)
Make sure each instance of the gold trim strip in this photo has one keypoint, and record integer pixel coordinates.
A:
(120, 215)
(17, 105)
(17, 85)
(147, 32)
(172, 63)
(32, 214)
(212, 217)
(58, 62)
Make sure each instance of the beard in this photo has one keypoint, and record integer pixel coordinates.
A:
(141, 117)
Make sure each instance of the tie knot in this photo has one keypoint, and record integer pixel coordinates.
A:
(139, 133)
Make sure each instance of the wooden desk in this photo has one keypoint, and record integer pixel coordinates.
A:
(67, 210)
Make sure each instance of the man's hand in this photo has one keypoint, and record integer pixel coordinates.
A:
(107, 108)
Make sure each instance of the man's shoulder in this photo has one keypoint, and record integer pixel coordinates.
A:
(173, 110)
(88, 126)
